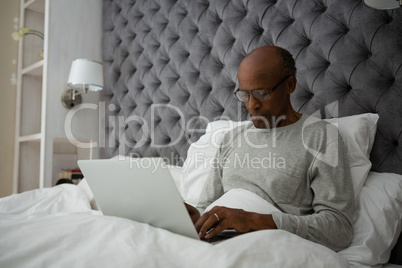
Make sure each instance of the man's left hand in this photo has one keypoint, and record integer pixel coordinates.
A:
(219, 219)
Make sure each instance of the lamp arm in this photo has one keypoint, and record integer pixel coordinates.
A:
(74, 93)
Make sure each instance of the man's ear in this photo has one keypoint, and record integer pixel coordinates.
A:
(291, 84)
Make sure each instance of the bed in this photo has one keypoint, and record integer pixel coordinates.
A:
(170, 70)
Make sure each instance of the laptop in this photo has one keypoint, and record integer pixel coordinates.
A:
(139, 189)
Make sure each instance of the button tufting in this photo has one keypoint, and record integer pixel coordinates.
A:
(140, 51)
(112, 107)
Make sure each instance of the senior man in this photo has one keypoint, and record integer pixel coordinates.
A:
(314, 194)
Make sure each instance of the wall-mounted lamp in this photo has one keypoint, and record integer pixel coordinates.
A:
(383, 4)
(84, 75)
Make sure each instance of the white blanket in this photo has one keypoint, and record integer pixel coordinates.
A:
(55, 227)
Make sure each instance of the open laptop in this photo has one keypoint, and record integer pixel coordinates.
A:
(139, 189)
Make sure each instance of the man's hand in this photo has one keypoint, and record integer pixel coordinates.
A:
(219, 219)
(194, 213)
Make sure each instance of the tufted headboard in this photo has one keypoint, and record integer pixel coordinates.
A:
(170, 67)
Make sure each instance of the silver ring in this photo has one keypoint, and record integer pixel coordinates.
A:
(217, 218)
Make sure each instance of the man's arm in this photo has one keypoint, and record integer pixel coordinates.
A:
(330, 223)
(333, 206)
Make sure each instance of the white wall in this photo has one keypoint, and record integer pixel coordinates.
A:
(9, 9)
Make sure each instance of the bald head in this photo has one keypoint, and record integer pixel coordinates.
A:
(268, 61)
(268, 68)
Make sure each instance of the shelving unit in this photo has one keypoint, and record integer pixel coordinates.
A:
(72, 29)
(30, 88)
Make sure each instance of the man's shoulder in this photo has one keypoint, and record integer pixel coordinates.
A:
(317, 128)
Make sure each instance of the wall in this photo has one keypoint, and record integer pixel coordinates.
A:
(9, 10)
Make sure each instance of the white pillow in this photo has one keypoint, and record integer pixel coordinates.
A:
(357, 132)
(176, 172)
(377, 220)
(199, 159)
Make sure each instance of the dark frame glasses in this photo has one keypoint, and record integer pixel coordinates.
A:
(258, 94)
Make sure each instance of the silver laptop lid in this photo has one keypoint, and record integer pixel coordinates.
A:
(139, 189)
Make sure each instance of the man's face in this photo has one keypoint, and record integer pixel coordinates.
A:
(252, 76)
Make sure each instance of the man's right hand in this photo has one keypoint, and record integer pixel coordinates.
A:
(194, 213)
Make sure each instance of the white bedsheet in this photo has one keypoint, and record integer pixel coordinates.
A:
(55, 227)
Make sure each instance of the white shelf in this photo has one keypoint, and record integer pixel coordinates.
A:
(34, 69)
(32, 137)
(35, 5)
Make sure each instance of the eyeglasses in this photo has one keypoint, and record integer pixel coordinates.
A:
(259, 94)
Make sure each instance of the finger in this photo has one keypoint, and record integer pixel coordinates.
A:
(201, 221)
(206, 216)
(219, 228)
(210, 223)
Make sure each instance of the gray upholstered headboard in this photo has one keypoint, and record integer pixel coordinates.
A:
(171, 65)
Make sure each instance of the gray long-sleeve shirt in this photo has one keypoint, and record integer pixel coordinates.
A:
(302, 169)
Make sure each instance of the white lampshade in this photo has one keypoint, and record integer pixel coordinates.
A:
(86, 74)
(383, 4)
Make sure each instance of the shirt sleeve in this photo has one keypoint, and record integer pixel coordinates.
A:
(333, 203)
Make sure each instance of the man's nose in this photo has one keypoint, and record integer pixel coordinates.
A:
(253, 103)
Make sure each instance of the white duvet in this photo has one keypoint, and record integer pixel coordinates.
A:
(55, 227)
